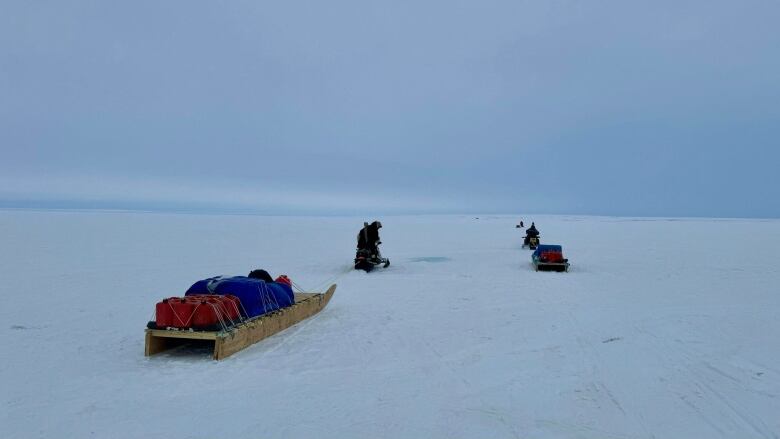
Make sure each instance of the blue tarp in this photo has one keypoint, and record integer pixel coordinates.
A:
(257, 297)
(547, 248)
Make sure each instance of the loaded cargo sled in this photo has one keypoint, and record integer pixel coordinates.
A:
(548, 257)
(231, 335)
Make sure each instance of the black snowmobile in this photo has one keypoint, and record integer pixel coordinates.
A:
(368, 256)
(531, 242)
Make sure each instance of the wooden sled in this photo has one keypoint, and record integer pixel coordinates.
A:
(241, 336)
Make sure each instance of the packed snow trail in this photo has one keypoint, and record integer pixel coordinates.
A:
(662, 328)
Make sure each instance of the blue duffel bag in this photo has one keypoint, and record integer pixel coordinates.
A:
(257, 297)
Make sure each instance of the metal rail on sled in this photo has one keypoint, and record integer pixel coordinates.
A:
(245, 334)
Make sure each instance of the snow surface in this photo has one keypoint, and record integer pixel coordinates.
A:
(663, 328)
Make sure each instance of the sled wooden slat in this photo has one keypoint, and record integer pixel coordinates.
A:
(229, 342)
(192, 335)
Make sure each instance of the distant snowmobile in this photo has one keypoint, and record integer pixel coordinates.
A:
(367, 255)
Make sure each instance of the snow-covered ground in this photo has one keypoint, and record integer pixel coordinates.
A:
(662, 328)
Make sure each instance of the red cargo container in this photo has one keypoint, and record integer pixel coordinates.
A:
(163, 314)
(183, 311)
(205, 311)
(205, 315)
(233, 305)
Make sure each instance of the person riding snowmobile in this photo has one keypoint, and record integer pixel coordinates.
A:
(531, 237)
(368, 255)
(368, 237)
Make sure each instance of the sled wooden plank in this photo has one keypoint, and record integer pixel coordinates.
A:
(154, 344)
(192, 335)
(245, 334)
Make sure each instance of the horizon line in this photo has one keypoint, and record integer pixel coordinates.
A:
(250, 212)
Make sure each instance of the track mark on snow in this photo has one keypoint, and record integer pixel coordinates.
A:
(26, 328)
(285, 339)
(704, 387)
(495, 414)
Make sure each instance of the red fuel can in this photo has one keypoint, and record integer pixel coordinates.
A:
(205, 316)
(183, 311)
(163, 314)
(232, 305)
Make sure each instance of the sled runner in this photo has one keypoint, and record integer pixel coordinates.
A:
(228, 341)
(549, 258)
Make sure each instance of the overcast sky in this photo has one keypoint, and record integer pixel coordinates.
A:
(656, 108)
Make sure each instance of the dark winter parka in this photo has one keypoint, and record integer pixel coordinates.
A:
(368, 237)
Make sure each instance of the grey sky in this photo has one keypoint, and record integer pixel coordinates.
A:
(609, 107)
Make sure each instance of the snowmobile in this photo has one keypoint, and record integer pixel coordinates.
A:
(531, 237)
(366, 260)
(367, 255)
(531, 242)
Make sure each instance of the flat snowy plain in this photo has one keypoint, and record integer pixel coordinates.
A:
(663, 328)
